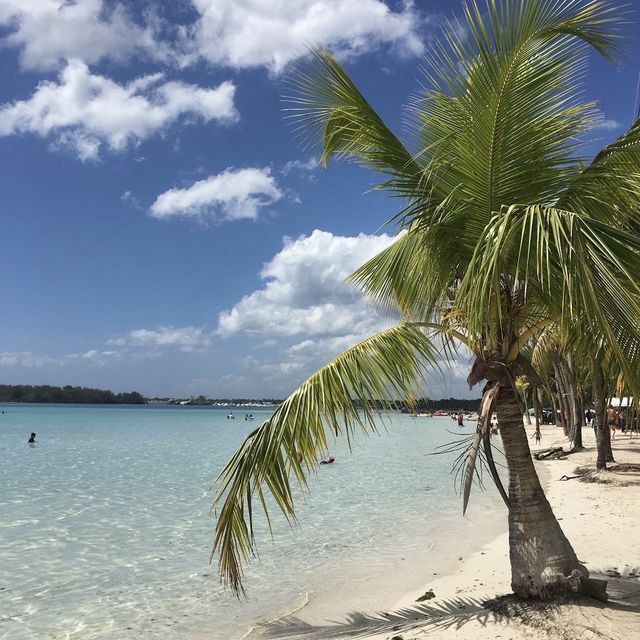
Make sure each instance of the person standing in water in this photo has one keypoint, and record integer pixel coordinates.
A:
(32, 438)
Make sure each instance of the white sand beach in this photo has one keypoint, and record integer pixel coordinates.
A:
(599, 514)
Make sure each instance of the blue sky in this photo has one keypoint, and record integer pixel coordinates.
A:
(163, 229)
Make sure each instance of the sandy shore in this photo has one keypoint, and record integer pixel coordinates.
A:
(599, 514)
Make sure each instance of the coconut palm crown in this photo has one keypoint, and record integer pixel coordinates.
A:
(504, 231)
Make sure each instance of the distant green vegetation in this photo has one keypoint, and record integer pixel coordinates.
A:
(75, 395)
(448, 404)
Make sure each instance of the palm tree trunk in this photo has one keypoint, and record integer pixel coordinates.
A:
(601, 425)
(563, 399)
(576, 412)
(554, 404)
(575, 392)
(543, 563)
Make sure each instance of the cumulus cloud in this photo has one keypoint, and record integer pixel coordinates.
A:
(48, 32)
(140, 344)
(304, 166)
(24, 359)
(233, 194)
(86, 112)
(253, 33)
(187, 339)
(305, 291)
(32, 360)
(608, 124)
(235, 33)
(95, 357)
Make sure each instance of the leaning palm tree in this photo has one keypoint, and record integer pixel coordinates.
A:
(503, 232)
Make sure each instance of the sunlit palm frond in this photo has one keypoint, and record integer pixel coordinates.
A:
(340, 398)
(609, 188)
(505, 88)
(412, 274)
(584, 270)
(546, 348)
(331, 113)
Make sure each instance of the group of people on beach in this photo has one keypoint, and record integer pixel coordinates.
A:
(618, 420)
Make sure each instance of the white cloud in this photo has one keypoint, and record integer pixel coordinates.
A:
(304, 166)
(94, 357)
(235, 33)
(608, 124)
(29, 359)
(85, 111)
(24, 359)
(305, 291)
(252, 33)
(48, 32)
(233, 194)
(187, 339)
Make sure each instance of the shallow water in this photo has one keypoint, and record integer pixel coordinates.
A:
(105, 532)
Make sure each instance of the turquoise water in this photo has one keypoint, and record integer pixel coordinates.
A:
(105, 529)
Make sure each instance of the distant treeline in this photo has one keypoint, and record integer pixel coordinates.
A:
(74, 395)
(449, 404)
(426, 404)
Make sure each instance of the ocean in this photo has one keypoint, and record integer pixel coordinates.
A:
(105, 530)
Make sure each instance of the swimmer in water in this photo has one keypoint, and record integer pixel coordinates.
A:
(32, 438)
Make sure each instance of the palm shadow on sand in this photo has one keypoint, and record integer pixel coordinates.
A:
(563, 619)
(455, 612)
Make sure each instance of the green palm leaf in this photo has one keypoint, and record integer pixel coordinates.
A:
(609, 188)
(581, 268)
(342, 397)
(505, 89)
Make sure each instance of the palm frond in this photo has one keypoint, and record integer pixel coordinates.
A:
(331, 113)
(500, 120)
(584, 270)
(343, 396)
(484, 421)
(609, 188)
(413, 274)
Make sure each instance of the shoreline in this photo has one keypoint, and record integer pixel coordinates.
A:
(371, 590)
(599, 521)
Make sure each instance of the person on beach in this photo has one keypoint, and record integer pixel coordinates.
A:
(588, 415)
(32, 438)
(537, 435)
(622, 419)
(612, 420)
(460, 420)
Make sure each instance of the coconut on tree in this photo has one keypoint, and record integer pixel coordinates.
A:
(503, 231)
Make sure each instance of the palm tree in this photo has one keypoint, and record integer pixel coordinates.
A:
(504, 232)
